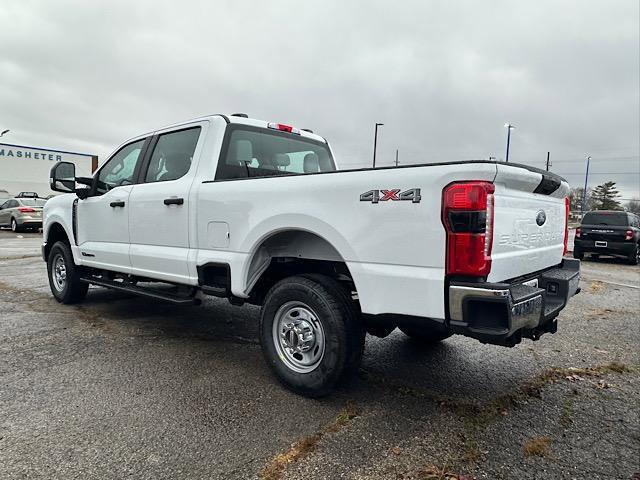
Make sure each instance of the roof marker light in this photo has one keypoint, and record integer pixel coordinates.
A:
(283, 128)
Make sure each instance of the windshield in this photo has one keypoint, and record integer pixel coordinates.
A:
(258, 152)
(33, 202)
(617, 219)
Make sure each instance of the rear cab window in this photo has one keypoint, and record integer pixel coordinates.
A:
(613, 219)
(258, 152)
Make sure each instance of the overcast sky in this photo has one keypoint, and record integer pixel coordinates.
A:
(443, 76)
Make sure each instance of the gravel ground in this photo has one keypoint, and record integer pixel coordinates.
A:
(120, 386)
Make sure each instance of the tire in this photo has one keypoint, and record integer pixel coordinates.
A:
(578, 254)
(425, 335)
(64, 275)
(634, 258)
(14, 226)
(329, 322)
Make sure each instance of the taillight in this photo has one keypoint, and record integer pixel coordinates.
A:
(578, 232)
(283, 128)
(628, 235)
(467, 214)
(26, 209)
(566, 225)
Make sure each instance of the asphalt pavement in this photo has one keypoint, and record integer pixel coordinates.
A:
(120, 386)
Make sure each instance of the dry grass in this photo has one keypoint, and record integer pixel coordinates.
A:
(596, 287)
(277, 465)
(432, 472)
(538, 447)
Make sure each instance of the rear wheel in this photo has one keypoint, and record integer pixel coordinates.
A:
(311, 333)
(64, 275)
(634, 258)
(426, 334)
(14, 225)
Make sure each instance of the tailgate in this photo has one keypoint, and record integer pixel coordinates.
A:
(529, 222)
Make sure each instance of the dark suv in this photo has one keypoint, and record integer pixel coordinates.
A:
(608, 232)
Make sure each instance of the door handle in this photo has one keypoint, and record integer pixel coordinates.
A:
(173, 201)
(119, 203)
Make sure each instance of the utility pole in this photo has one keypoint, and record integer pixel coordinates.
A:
(396, 157)
(548, 162)
(509, 128)
(375, 143)
(584, 192)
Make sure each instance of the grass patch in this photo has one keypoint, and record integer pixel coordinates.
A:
(277, 465)
(476, 416)
(432, 472)
(597, 287)
(536, 447)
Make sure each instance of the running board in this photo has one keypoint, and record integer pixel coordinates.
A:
(145, 292)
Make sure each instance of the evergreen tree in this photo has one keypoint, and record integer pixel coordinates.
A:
(605, 196)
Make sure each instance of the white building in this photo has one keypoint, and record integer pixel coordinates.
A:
(26, 169)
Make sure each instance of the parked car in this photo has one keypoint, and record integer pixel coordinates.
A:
(608, 232)
(27, 195)
(258, 212)
(22, 213)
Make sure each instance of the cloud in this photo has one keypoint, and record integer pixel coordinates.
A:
(443, 76)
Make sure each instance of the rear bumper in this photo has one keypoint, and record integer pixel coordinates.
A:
(29, 223)
(612, 248)
(504, 313)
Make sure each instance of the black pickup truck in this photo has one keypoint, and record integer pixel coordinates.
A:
(608, 232)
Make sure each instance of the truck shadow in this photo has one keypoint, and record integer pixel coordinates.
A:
(457, 367)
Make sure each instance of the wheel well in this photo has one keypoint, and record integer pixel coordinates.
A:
(56, 234)
(282, 267)
(293, 252)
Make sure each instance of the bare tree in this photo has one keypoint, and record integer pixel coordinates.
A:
(575, 200)
(633, 206)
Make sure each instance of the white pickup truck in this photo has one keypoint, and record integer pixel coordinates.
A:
(259, 212)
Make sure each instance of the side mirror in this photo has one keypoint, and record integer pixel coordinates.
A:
(62, 177)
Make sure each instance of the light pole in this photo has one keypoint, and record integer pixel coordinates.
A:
(584, 192)
(509, 127)
(3, 132)
(375, 143)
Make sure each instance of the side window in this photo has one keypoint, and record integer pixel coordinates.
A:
(120, 168)
(4, 205)
(172, 155)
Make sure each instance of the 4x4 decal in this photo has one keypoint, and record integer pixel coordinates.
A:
(376, 196)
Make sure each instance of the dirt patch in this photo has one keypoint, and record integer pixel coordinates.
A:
(538, 447)
(278, 464)
(597, 287)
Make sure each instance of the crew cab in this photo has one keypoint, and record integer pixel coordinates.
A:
(608, 232)
(259, 212)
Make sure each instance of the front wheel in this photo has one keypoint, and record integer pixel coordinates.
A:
(311, 333)
(64, 275)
